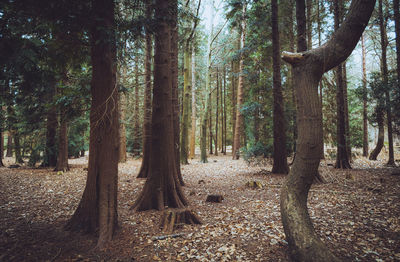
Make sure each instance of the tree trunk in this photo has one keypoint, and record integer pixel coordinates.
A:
(240, 95)
(97, 210)
(342, 158)
(122, 109)
(308, 67)
(309, 6)
(397, 30)
(365, 108)
(9, 144)
(233, 99)
(174, 85)
(384, 70)
(193, 129)
(62, 157)
(50, 154)
(187, 86)
(17, 148)
(136, 125)
(280, 155)
(217, 115)
(144, 168)
(162, 187)
(381, 134)
(301, 25)
(224, 109)
(346, 113)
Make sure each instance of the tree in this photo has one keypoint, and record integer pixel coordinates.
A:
(280, 155)
(97, 210)
(365, 112)
(308, 68)
(397, 30)
(342, 157)
(162, 187)
(240, 90)
(50, 154)
(193, 118)
(384, 70)
(144, 168)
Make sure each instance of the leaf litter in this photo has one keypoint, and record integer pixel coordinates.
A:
(356, 213)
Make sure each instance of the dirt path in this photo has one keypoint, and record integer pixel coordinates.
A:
(356, 213)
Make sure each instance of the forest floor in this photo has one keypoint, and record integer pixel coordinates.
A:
(356, 213)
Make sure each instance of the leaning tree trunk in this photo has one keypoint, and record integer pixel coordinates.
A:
(162, 187)
(381, 134)
(144, 168)
(280, 165)
(62, 157)
(308, 67)
(97, 210)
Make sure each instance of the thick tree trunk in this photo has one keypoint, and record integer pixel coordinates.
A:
(309, 6)
(308, 67)
(280, 155)
(193, 129)
(342, 158)
(301, 25)
(162, 187)
(381, 134)
(384, 71)
(97, 210)
(144, 168)
(174, 84)
(240, 90)
(62, 157)
(365, 108)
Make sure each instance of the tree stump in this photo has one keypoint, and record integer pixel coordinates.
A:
(215, 198)
(172, 219)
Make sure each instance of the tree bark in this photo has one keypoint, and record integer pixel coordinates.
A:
(384, 70)
(136, 125)
(193, 129)
(187, 90)
(144, 168)
(9, 144)
(301, 25)
(62, 157)
(240, 90)
(346, 113)
(224, 109)
(50, 154)
(309, 6)
(122, 129)
(365, 108)
(342, 158)
(381, 133)
(97, 210)
(280, 165)
(174, 85)
(397, 31)
(17, 148)
(217, 115)
(308, 67)
(162, 187)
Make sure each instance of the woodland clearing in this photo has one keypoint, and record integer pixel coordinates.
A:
(356, 213)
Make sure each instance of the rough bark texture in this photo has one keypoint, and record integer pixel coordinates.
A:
(365, 108)
(381, 134)
(384, 71)
(280, 165)
(308, 67)
(144, 168)
(97, 210)
(346, 113)
(309, 6)
(174, 84)
(239, 94)
(62, 157)
(301, 25)
(342, 158)
(162, 187)
(136, 122)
